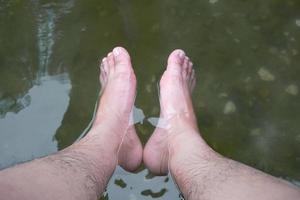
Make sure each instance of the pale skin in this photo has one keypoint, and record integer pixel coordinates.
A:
(82, 170)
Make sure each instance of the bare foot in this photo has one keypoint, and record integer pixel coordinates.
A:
(177, 115)
(115, 108)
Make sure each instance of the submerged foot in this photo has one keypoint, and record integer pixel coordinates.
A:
(177, 115)
(118, 83)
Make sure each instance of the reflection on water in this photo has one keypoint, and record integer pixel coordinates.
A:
(48, 14)
(246, 54)
(13, 105)
(29, 133)
(31, 118)
(140, 186)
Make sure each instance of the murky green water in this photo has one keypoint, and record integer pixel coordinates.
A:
(247, 60)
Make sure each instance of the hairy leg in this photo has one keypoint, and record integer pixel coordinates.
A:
(178, 147)
(82, 170)
(202, 173)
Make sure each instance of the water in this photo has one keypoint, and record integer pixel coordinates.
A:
(246, 54)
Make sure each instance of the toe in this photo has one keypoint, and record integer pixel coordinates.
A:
(122, 59)
(102, 74)
(176, 59)
(192, 73)
(105, 66)
(111, 61)
(185, 66)
(192, 76)
(102, 70)
(190, 69)
(193, 80)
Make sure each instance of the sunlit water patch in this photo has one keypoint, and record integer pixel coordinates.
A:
(141, 186)
(29, 133)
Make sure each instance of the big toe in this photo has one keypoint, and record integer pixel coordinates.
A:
(175, 60)
(122, 59)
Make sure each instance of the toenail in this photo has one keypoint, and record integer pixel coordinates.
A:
(104, 59)
(116, 51)
(109, 54)
(181, 54)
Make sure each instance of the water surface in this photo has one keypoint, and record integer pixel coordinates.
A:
(246, 55)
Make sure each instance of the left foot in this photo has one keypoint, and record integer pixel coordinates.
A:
(118, 83)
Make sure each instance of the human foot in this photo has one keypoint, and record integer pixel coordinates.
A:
(115, 108)
(176, 86)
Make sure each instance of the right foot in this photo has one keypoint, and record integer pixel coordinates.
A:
(177, 116)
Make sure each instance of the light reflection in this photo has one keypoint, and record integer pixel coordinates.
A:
(30, 121)
(138, 183)
(29, 133)
(48, 14)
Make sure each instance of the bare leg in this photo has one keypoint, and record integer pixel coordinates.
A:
(200, 172)
(82, 170)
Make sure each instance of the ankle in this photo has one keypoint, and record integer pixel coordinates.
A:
(110, 122)
(96, 151)
(100, 147)
(107, 133)
(187, 148)
(190, 155)
(186, 139)
(192, 165)
(94, 167)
